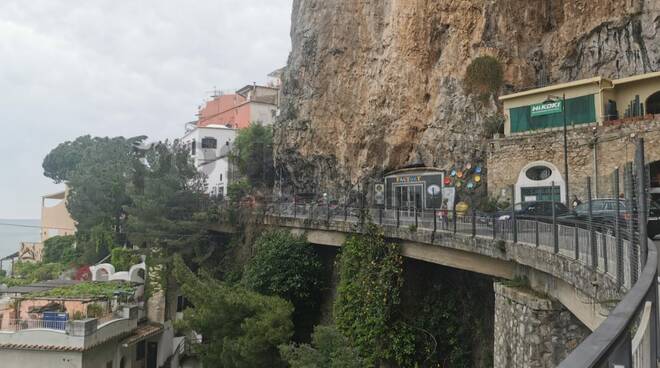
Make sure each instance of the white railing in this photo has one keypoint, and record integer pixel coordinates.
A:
(641, 342)
(28, 324)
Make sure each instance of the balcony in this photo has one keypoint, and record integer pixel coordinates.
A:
(76, 335)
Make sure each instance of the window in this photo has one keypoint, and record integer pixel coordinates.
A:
(579, 110)
(538, 173)
(220, 176)
(208, 142)
(193, 146)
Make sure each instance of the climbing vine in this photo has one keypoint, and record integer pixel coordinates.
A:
(367, 308)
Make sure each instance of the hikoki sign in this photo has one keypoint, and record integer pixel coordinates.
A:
(547, 108)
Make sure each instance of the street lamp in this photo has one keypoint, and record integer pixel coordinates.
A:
(563, 109)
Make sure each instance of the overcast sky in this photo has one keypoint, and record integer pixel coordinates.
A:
(110, 67)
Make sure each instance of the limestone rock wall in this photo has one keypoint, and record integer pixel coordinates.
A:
(531, 330)
(374, 85)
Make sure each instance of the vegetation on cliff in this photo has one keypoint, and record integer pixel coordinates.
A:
(287, 266)
(367, 308)
(484, 77)
(241, 328)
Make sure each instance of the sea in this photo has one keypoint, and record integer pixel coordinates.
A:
(13, 232)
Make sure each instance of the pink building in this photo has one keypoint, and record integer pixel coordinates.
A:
(249, 104)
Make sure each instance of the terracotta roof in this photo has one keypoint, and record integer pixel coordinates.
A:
(142, 332)
(39, 347)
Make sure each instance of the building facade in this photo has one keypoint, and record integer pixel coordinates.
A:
(210, 146)
(603, 118)
(250, 104)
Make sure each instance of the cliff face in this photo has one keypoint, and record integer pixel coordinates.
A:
(372, 85)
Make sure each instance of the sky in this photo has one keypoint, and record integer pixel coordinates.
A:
(111, 68)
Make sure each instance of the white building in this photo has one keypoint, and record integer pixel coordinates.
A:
(209, 147)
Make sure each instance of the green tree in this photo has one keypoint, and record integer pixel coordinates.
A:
(241, 328)
(168, 210)
(367, 309)
(329, 349)
(253, 154)
(60, 249)
(287, 266)
(97, 172)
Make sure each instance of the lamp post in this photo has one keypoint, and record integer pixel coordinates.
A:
(563, 109)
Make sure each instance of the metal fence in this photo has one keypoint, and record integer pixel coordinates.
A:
(613, 242)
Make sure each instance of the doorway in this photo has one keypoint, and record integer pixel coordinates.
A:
(152, 354)
(409, 198)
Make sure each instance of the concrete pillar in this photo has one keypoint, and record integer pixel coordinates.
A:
(532, 330)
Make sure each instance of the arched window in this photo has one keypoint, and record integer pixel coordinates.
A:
(653, 103)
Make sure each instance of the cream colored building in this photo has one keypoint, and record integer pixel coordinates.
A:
(55, 218)
(588, 101)
(55, 221)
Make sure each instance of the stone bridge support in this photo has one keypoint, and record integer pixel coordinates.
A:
(532, 330)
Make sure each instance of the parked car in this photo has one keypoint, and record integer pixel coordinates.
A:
(532, 209)
(603, 211)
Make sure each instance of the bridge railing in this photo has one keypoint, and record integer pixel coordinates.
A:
(610, 250)
(613, 243)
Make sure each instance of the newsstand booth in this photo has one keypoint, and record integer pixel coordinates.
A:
(413, 189)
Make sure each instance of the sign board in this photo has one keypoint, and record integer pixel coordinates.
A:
(379, 193)
(449, 193)
(547, 108)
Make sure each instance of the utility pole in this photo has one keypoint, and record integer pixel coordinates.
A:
(563, 108)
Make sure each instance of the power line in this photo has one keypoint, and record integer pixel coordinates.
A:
(34, 226)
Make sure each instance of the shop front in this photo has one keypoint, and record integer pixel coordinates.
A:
(413, 189)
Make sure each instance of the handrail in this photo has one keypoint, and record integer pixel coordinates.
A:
(593, 350)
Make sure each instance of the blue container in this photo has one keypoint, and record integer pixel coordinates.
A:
(55, 320)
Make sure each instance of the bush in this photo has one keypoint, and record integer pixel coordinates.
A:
(329, 349)
(60, 249)
(33, 272)
(484, 76)
(95, 310)
(287, 266)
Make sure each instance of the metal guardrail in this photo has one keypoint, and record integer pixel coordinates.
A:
(614, 251)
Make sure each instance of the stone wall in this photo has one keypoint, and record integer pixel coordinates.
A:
(531, 330)
(614, 144)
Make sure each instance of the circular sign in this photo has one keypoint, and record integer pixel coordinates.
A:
(379, 188)
(447, 180)
(477, 169)
(459, 174)
(468, 166)
(453, 173)
(433, 189)
(470, 185)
